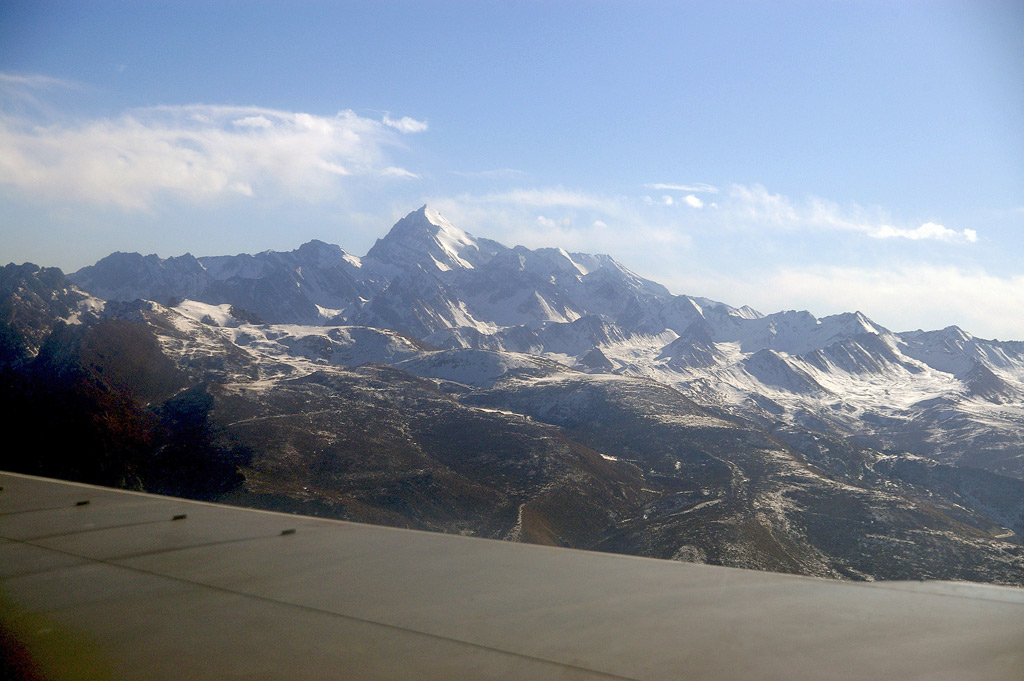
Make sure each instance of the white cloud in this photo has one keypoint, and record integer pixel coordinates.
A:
(333, 167)
(693, 188)
(253, 122)
(928, 230)
(690, 200)
(755, 206)
(497, 173)
(548, 223)
(242, 188)
(405, 124)
(195, 152)
(392, 171)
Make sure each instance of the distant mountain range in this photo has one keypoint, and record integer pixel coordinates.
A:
(941, 394)
(445, 381)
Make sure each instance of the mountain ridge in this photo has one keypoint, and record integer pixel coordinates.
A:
(609, 432)
(433, 281)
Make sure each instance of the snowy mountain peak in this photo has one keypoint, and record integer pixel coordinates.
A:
(955, 333)
(324, 254)
(434, 217)
(852, 323)
(427, 238)
(745, 312)
(126, 276)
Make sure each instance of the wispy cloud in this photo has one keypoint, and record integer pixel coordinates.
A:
(928, 230)
(568, 217)
(495, 174)
(35, 81)
(404, 124)
(19, 91)
(755, 206)
(195, 152)
(548, 223)
(547, 197)
(700, 187)
(577, 220)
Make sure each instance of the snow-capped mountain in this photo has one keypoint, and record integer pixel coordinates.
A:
(427, 239)
(942, 394)
(571, 403)
(316, 283)
(424, 276)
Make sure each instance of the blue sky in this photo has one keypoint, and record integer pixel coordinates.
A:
(830, 156)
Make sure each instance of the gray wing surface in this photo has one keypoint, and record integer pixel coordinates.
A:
(98, 583)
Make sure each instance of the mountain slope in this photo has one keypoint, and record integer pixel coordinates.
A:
(206, 400)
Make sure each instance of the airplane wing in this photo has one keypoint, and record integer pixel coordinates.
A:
(98, 583)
